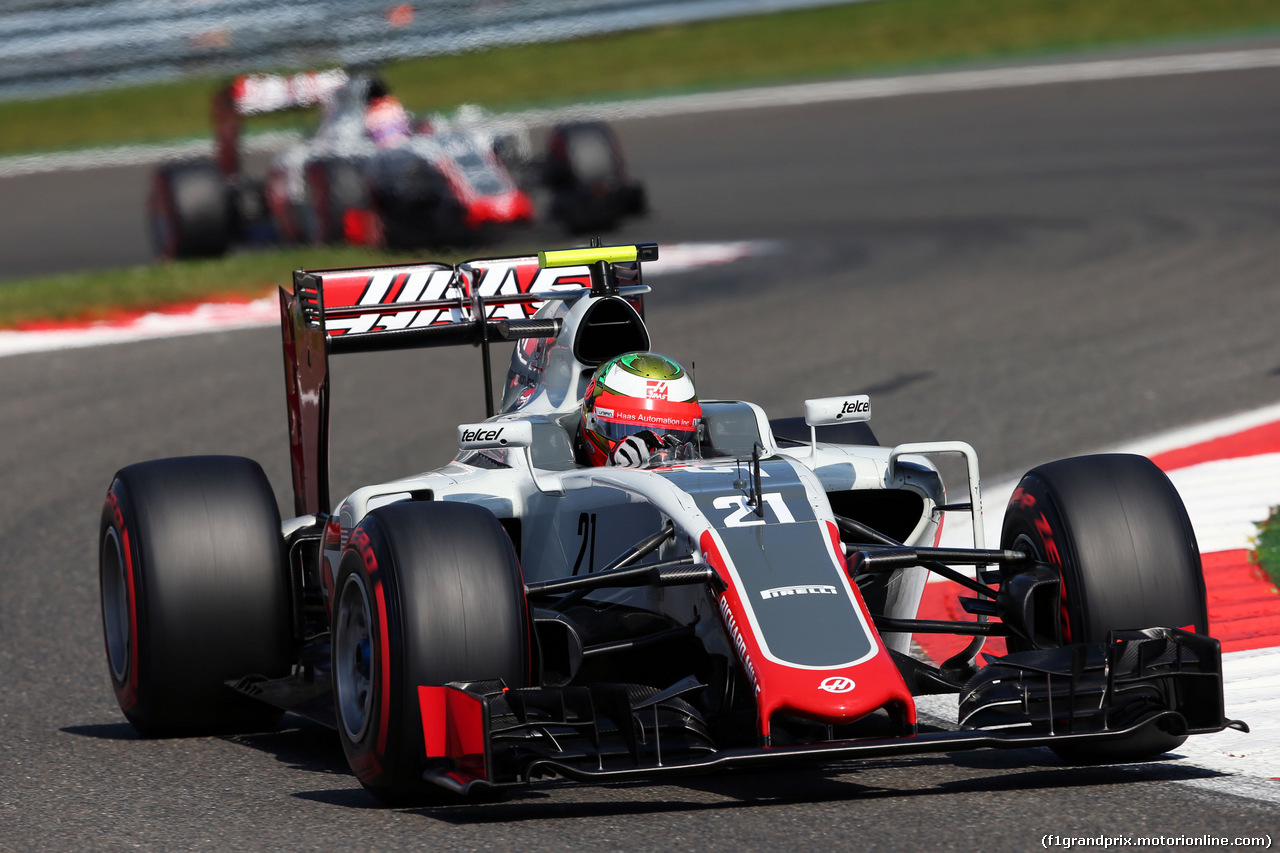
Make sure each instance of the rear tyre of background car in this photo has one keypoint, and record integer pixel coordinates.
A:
(427, 593)
(588, 179)
(194, 593)
(190, 211)
(1117, 532)
(334, 187)
(414, 203)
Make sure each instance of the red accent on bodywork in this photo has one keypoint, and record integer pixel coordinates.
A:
(361, 227)
(507, 285)
(837, 548)
(435, 720)
(467, 733)
(503, 209)
(332, 542)
(453, 727)
(795, 690)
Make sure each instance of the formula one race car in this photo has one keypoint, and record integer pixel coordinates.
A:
(374, 175)
(745, 599)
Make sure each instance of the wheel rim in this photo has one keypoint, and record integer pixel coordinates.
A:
(115, 605)
(353, 658)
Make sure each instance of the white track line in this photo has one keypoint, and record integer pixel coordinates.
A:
(745, 99)
(918, 84)
(134, 155)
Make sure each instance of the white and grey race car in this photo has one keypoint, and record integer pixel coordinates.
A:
(749, 601)
(446, 180)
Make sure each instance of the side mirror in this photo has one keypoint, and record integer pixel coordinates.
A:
(492, 435)
(828, 411)
(837, 410)
(504, 435)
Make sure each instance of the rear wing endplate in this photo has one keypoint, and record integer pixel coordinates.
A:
(259, 94)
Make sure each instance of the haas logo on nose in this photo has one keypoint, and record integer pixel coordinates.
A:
(837, 684)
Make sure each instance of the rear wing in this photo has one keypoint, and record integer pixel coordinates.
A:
(259, 94)
(412, 306)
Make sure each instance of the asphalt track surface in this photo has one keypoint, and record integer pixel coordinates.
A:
(1041, 272)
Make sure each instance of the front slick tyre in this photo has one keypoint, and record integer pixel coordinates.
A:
(427, 593)
(194, 593)
(1116, 530)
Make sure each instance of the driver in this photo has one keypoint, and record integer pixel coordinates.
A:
(639, 409)
(387, 121)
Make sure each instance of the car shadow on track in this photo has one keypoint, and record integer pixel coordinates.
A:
(961, 773)
(307, 746)
(301, 745)
(104, 731)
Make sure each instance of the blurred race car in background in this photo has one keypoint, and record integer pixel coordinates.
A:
(374, 175)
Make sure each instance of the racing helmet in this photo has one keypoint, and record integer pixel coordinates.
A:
(641, 394)
(387, 121)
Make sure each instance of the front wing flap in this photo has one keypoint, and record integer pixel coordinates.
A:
(1094, 688)
(483, 734)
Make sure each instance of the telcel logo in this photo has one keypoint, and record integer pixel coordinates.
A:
(837, 684)
(853, 407)
(482, 434)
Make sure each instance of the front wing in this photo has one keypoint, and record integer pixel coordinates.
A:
(483, 734)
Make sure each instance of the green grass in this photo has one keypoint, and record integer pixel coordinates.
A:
(839, 41)
(808, 44)
(1267, 554)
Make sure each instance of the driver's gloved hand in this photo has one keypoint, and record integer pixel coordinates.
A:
(634, 451)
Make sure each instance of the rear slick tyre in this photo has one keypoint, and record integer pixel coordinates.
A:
(588, 178)
(189, 211)
(194, 594)
(334, 187)
(1117, 532)
(427, 593)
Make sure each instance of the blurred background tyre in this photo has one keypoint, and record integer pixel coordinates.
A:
(189, 211)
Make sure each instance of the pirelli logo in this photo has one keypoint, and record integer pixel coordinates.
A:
(808, 589)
